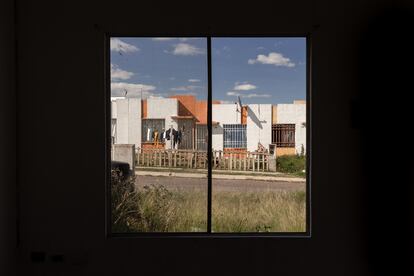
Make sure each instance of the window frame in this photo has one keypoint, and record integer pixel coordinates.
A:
(238, 131)
(279, 131)
(107, 116)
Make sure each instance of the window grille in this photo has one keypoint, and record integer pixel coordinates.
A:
(148, 128)
(201, 137)
(234, 136)
(283, 135)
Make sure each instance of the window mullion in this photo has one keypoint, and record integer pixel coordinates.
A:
(209, 144)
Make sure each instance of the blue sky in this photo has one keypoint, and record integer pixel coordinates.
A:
(259, 70)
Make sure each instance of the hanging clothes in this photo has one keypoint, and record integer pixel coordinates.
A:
(179, 136)
(156, 138)
(149, 135)
(175, 136)
(167, 134)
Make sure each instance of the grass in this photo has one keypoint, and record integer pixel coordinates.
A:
(292, 164)
(156, 209)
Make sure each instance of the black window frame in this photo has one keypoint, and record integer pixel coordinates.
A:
(209, 233)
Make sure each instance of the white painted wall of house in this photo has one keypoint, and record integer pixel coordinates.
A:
(128, 120)
(223, 114)
(134, 122)
(294, 114)
(163, 108)
(259, 126)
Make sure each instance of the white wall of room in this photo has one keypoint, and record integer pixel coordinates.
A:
(259, 125)
(294, 114)
(223, 114)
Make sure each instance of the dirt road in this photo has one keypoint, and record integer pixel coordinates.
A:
(184, 183)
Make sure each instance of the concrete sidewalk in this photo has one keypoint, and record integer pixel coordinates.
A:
(218, 175)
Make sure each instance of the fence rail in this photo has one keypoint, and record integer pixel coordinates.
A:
(197, 159)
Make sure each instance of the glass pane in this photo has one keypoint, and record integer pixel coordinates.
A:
(158, 133)
(259, 134)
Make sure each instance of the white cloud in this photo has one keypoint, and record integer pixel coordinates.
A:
(232, 93)
(226, 102)
(186, 88)
(175, 38)
(134, 90)
(185, 49)
(273, 58)
(252, 95)
(194, 80)
(119, 74)
(163, 38)
(244, 87)
(122, 47)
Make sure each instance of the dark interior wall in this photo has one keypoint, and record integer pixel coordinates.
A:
(7, 140)
(61, 142)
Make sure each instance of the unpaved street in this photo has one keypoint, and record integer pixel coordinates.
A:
(187, 183)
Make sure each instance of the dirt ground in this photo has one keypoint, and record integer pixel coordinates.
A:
(184, 183)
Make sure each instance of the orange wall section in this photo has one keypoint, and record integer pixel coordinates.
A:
(144, 109)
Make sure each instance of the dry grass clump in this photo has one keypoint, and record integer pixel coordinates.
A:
(153, 208)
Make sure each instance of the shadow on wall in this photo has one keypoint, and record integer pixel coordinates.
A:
(384, 115)
(254, 118)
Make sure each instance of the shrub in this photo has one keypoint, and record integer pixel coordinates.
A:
(125, 214)
(148, 210)
(291, 163)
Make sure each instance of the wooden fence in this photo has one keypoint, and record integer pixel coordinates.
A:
(193, 159)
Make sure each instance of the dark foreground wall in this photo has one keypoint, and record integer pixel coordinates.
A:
(7, 141)
(62, 199)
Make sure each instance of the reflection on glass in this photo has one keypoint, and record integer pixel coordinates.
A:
(158, 134)
(259, 134)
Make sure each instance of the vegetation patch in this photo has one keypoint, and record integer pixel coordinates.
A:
(153, 208)
(294, 164)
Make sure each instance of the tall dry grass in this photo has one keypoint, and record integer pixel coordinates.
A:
(156, 209)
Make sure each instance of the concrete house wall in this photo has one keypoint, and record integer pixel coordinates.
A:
(223, 114)
(159, 108)
(260, 117)
(127, 113)
(294, 114)
(259, 126)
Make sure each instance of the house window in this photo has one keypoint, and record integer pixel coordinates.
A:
(234, 136)
(201, 137)
(283, 135)
(206, 92)
(149, 127)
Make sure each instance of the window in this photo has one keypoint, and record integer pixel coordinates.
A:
(150, 127)
(201, 137)
(235, 136)
(283, 135)
(198, 122)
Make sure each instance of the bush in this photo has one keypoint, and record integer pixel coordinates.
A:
(125, 214)
(146, 210)
(291, 163)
